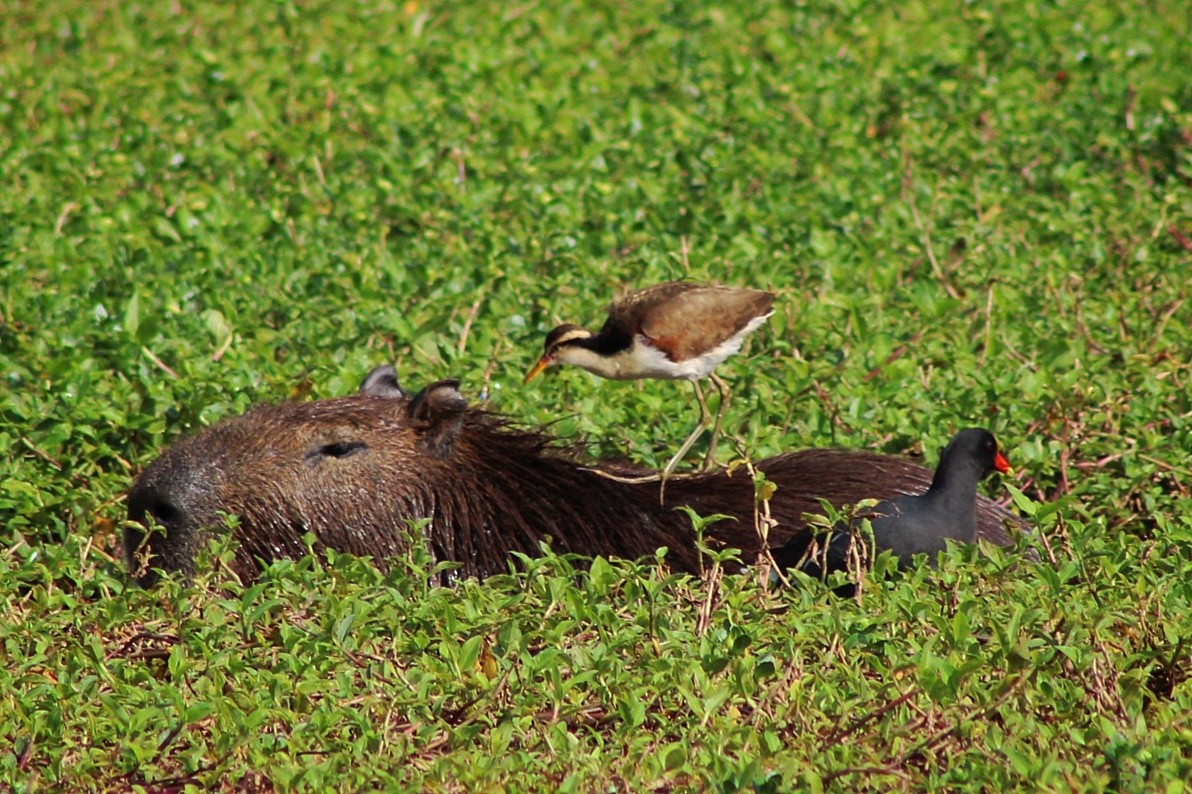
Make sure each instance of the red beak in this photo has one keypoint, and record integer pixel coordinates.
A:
(1001, 464)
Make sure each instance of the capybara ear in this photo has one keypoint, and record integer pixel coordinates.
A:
(382, 382)
(437, 412)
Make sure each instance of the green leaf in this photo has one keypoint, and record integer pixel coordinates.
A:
(132, 314)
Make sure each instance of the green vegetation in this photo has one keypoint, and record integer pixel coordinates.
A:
(973, 214)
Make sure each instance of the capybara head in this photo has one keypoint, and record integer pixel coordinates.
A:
(360, 472)
(284, 470)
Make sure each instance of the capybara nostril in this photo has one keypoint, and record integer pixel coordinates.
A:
(156, 506)
(161, 499)
(153, 511)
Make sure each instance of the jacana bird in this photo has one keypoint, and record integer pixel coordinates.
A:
(910, 525)
(677, 330)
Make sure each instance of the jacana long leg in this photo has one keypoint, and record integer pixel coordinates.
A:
(705, 417)
(722, 387)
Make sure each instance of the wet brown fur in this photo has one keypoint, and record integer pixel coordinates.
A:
(488, 488)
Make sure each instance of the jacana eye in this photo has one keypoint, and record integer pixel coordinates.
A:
(337, 449)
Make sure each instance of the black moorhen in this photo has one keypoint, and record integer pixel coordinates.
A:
(911, 525)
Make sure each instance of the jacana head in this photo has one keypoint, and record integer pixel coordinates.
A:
(558, 343)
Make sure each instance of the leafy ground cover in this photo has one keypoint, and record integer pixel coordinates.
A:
(974, 214)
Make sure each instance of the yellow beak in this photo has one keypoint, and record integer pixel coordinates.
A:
(536, 370)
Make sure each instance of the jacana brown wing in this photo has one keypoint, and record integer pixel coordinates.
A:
(695, 320)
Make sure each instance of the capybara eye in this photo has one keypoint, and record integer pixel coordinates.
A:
(337, 449)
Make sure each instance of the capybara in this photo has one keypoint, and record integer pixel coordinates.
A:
(358, 472)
